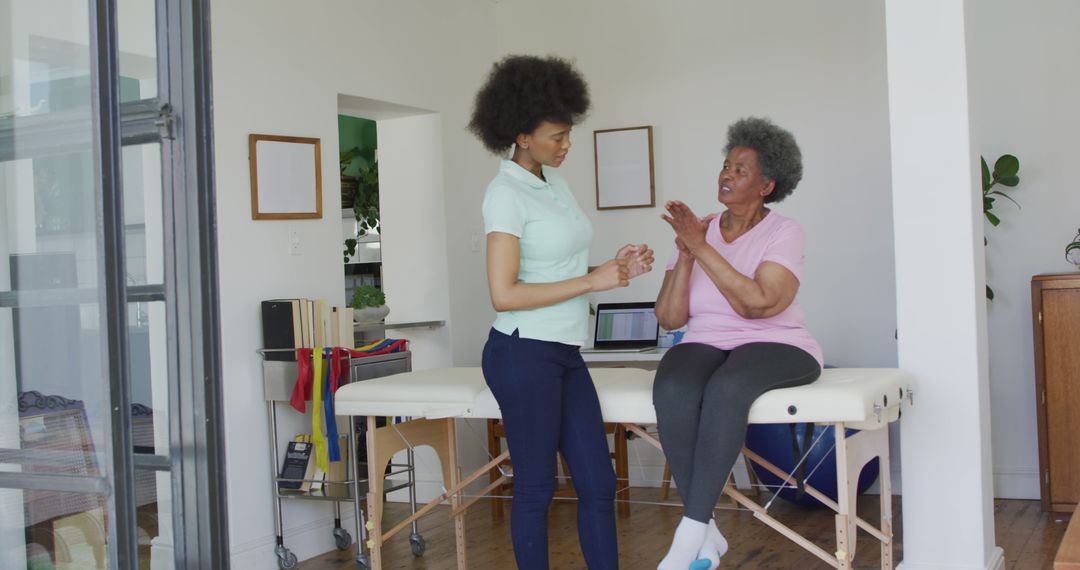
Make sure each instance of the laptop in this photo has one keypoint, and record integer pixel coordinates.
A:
(625, 327)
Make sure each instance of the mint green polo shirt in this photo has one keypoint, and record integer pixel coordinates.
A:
(554, 235)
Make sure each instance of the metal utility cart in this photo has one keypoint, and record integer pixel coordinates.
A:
(279, 376)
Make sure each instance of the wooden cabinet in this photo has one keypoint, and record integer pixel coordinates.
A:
(1055, 309)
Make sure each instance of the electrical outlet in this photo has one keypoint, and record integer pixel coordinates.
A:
(476, 236)
(294, 242)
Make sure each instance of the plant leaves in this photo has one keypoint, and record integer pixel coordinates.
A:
(994, 220)
(1007, 165)
(1069, 249)
(367, 296)
(989, 293)
(347, 156)
(1007, 197)
(1009, 181)
(985, 175)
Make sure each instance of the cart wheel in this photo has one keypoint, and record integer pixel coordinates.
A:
(286, 560)
(362, 561)
(342, 538)
(417, 543)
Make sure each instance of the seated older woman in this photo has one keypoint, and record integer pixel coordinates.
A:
(733, 279)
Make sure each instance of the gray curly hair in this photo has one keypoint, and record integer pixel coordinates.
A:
(778, 154)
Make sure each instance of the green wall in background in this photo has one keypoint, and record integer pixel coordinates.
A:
(353, 132)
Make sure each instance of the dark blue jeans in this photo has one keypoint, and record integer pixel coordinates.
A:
(549, 404)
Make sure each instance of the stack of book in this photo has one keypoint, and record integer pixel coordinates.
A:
(304, 323)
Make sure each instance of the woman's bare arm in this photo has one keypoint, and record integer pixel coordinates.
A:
(509, 294)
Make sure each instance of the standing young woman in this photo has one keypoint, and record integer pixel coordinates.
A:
(537, 265)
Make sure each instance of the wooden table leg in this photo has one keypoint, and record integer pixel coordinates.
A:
(495, 433)
(622, 471)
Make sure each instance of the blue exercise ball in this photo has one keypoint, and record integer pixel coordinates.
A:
(777, 445)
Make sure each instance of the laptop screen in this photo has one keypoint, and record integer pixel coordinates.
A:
(626, 325)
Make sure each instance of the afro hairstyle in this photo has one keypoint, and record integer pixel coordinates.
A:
(523, 91)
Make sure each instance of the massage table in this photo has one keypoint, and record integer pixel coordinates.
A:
(867, 399)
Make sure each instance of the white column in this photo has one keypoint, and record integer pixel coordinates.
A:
(413, 230)
(940, 276)
(414, 269)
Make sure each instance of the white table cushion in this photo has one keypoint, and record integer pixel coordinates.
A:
(439, 392)
(846, 395)
(625, 396)
(840, 395)
(851, 395)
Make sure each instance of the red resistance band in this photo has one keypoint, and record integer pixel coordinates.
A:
(304, 381)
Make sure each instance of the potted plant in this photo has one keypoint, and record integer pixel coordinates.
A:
(366, 200)
(360, 192)
(369, 304)
(1006, 173)
(348, 183)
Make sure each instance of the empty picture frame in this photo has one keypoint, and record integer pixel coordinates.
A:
(286, 177)
(624, 168)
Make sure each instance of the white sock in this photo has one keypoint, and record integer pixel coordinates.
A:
(715, 546)
(689, 536)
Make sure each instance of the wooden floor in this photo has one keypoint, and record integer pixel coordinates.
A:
(1028, 537)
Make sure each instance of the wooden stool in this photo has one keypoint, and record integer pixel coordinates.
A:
(497, 432)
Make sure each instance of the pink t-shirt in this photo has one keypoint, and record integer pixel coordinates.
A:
(713, 321)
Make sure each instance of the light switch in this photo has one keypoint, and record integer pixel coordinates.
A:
(294, 242)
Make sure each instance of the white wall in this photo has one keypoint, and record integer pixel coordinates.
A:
(1024, 88)
(279, 68)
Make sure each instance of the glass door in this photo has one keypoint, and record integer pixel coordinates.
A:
(105, 221)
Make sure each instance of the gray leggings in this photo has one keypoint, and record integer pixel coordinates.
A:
(703, 396)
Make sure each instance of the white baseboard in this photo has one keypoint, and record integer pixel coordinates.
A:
(997, 559)
(305, 541)
(1009, 483)
(648, 474)
(1016, 482)
(996, 562)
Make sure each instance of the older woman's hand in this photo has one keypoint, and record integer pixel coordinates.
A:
(689, 229)
(639, 258)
